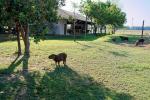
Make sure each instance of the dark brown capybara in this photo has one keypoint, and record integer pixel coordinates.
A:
(124, 38)
(140, 41)
(58, 58)
(114, 39)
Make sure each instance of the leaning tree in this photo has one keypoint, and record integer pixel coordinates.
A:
(22, 13)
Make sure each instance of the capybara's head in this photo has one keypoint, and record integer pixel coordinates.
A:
(52, 56)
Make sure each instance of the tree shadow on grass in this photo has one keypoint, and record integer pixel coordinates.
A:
(121, 54)
(87, 46)
(18, 60)
(64, 83)
(12, 84)
(18, 85)
(84, 45)
(61, 84)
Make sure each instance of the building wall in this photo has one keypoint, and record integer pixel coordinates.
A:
(59, 27)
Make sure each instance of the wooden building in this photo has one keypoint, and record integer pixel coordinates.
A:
(66, 22)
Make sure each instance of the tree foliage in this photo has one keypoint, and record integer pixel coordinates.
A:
(22, 13)
(28, 11)
(104, 13)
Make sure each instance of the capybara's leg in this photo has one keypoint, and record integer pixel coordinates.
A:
(58, 63)
(64, 62)
(55, 63)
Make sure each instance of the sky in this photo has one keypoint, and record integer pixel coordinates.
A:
(136, 10)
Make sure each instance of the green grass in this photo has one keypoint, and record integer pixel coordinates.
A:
(97, 69)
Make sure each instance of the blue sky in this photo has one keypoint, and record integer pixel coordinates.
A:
(136, 10)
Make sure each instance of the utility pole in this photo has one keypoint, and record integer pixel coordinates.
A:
(142, 29)
(132, 23)
(74, 31)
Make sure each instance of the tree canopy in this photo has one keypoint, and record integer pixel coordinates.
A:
(28, 11)
(21, 13)
(104, 13)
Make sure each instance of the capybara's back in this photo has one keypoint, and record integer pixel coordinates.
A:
(140, 41)
(62, 56)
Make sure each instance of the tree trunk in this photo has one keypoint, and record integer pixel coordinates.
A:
(95, 29)
(74, 30)
(114, 29)
(18, 39)
(27, 42)
(101, 29)
(19, 44)
(22, 33)
(105, 29)
(92, 31)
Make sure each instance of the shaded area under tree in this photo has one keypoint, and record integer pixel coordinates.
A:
(61, 84)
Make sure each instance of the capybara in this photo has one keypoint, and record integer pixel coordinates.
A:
(114, 39)
(123, 38)
(58, 58)
(140, 41)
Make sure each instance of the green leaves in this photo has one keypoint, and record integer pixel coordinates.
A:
(36, 12)
(104, 13)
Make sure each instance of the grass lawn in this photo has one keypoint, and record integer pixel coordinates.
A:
(98, 69)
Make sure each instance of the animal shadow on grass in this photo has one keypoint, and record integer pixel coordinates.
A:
(64, 83)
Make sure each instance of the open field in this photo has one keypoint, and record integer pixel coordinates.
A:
(97, 69)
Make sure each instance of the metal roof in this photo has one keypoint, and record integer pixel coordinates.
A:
(67, 14)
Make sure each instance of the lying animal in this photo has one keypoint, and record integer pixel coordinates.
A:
(140, 41)
(113, 39)
(58, 58)
(123, 38)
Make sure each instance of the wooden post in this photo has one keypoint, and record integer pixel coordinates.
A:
(74, 26)
(86, 26)
(142, 29)
(74, 30)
